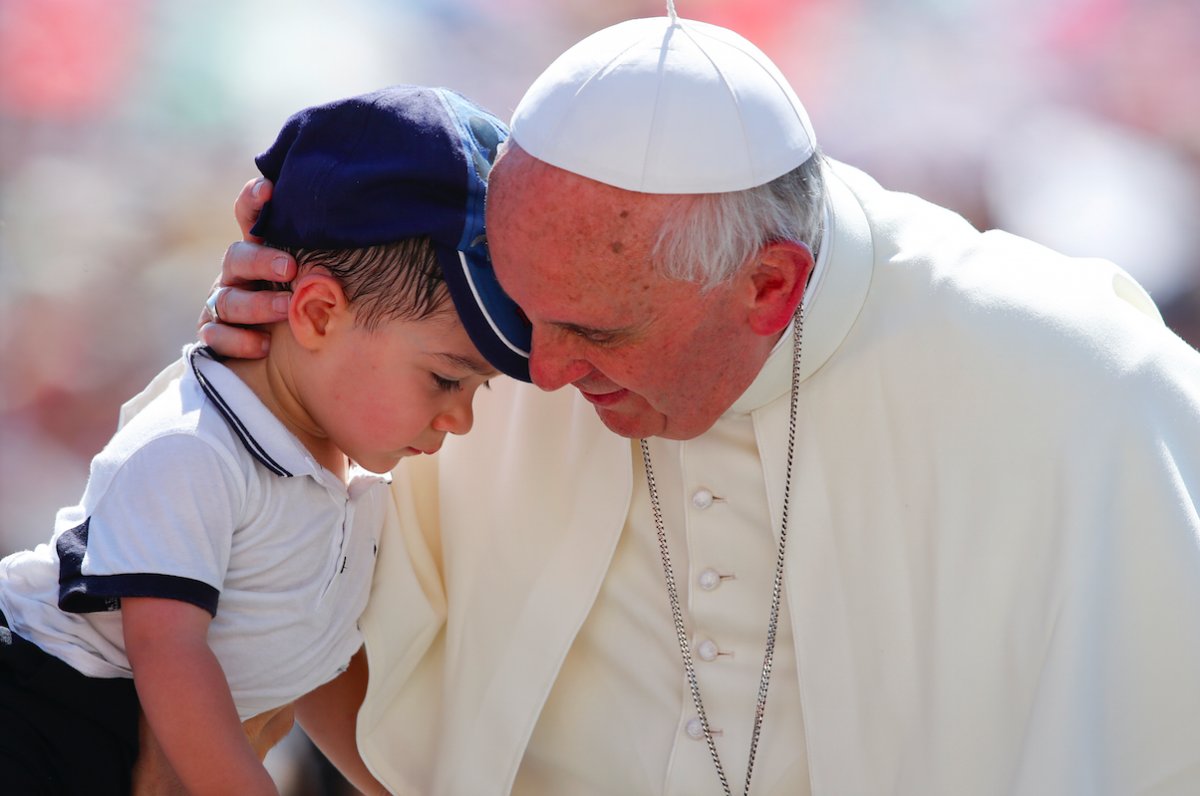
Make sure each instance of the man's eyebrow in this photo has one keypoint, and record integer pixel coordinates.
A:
(576, 328)
(467, 363)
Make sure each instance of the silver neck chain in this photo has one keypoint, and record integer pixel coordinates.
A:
(685, 649)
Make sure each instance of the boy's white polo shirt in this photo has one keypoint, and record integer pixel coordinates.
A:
(206, 497)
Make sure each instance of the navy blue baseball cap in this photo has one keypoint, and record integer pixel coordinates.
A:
(402, 162)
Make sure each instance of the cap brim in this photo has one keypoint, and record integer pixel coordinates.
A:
(493, 321)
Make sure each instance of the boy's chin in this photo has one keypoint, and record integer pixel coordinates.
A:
(383, 465)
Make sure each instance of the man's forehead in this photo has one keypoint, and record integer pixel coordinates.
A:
(554, 206)
(572, 251)
(528, 176)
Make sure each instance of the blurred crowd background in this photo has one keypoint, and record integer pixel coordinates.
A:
(127, 128)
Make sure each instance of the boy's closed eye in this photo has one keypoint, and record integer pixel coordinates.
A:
(458, 363)
(446, 385)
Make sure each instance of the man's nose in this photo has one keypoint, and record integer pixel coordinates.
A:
(554, 363)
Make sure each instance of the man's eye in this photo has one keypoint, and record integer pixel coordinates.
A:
(446, 385)
(595, 338)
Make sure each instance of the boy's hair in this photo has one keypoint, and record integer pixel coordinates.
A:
(392, 281)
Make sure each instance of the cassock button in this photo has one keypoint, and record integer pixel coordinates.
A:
(707, 651)
(709, 579)
(702, 498)
(694, 729)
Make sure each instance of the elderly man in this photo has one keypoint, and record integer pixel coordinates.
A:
(891, 506)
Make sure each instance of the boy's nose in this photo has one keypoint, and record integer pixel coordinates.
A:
(457, 419)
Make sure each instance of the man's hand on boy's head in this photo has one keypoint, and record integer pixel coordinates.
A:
(249, 204)
(247, 264)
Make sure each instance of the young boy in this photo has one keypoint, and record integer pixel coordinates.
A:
(223, 548)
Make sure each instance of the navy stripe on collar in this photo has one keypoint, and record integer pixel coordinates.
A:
(256, 450)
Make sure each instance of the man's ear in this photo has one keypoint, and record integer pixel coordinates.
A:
(318, 306)
(778, 277)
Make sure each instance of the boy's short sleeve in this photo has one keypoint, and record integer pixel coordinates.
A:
(157, 523)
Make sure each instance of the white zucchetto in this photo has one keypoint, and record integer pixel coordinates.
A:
(665, 106)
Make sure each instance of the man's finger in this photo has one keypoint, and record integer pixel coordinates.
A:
(236, 310)
(234, 341)
(245, 263)
(249, 204)
(250, 307)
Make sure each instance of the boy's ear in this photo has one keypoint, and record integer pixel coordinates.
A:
(318, 306)
(776, 283)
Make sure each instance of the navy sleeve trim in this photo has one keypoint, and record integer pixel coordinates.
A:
(93, 593)
(83, 594)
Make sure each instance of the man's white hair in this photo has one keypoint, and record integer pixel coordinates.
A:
(706, 238)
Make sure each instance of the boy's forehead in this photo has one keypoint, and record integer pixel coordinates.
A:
(472, 362)
(446, 339)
